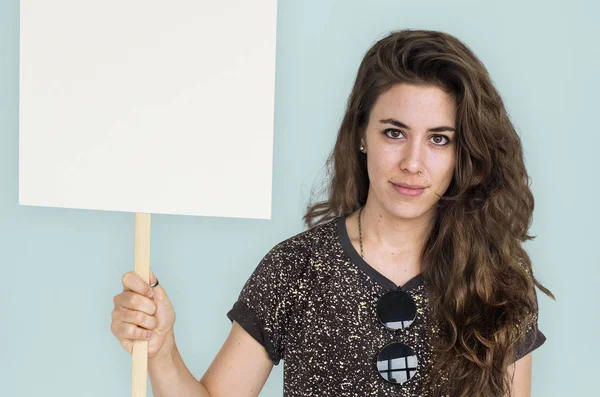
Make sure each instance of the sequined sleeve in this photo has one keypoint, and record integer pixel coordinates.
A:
(266, 302)
(533, 339)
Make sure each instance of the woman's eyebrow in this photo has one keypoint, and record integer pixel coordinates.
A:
(402, 125)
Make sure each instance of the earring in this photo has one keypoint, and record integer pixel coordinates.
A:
(362, 148)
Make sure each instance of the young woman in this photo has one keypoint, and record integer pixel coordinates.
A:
(411, 279)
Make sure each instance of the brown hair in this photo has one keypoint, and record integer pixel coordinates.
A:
(482, 285)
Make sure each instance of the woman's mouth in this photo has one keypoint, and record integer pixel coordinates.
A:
(408, 191)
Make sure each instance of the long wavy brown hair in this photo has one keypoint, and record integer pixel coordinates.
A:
(481, 279)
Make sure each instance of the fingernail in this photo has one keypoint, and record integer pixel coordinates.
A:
(150, 294)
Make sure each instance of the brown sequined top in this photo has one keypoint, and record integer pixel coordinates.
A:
(311, 302)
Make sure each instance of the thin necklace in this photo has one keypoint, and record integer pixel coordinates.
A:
(360, 232)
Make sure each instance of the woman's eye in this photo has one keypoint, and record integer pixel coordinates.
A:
(392, 133)
(440, 140)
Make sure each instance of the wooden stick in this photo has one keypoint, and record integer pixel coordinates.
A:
(142, 268)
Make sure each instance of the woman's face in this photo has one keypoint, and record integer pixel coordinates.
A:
(410, 142)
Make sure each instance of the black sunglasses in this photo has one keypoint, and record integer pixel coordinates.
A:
(396, 362)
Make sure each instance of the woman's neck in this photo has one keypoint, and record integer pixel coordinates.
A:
(399, 240)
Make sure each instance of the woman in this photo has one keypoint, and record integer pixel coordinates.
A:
(411, 279)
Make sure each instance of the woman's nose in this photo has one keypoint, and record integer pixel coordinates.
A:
(412, 160)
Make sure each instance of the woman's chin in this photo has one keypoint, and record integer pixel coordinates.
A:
(409, 212)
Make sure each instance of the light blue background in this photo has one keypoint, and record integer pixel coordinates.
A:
(60, 268)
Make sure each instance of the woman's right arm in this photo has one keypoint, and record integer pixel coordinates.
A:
(241, 367)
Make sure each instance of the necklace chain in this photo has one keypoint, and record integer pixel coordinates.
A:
(360, 233)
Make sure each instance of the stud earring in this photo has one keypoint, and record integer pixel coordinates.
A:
(362, 148)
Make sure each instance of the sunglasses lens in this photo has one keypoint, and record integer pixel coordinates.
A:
(396, 310)
(397, 363)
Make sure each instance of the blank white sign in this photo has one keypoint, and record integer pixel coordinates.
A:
(162, 107)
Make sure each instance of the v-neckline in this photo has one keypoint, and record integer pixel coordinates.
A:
(365, 267)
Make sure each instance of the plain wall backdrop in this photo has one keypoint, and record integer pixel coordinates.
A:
(60, 268)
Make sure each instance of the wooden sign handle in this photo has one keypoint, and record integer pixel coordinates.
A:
(142, 268)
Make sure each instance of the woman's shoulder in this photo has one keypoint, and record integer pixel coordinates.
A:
(296, 256)
(309, 241)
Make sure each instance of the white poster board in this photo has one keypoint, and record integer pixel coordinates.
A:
(148, 106)
(151, 107)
